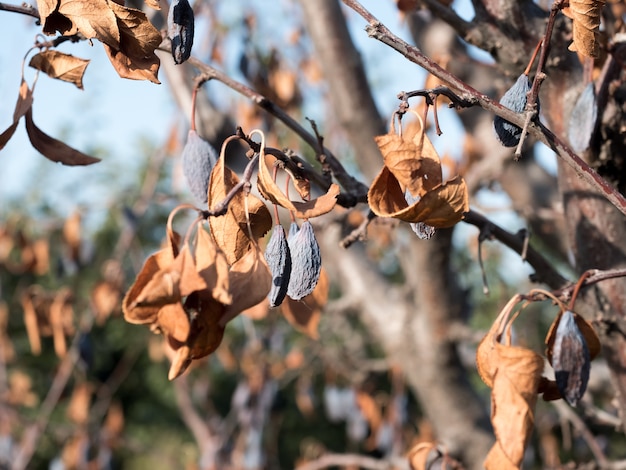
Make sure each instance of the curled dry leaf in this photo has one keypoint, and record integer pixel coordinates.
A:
(250, 280)
(24, 102)
(441, 207)
(205, 335)
(514, 374)
(414, 163)
(586, 16)
(212, 266)
(61, 66)
(230, 231)
(413, 167)
(93, 19)
(161, 260)
(302, 210)
(52, 148)
(134, 56)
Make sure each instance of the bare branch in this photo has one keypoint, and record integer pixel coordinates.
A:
(379, 31)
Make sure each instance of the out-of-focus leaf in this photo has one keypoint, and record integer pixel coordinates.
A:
(61, 66)
(54, 149)
(133, 68)
(72, 234)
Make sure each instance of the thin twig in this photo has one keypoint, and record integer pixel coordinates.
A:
(355, 191)
(359, 233)
(379, 31)
(23, 9)
(544, 271)
(31, 437)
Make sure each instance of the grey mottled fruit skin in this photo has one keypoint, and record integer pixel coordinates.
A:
(570, 359)
(306, 262)
(582, 121)
(278, 258)
(514, 99)
(199, 158)
(180, 28)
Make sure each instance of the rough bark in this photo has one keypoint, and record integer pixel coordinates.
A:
(412, 324)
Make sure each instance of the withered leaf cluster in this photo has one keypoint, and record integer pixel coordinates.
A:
(413, 167)
(127, 35)
(190, 289)
(515, 375)
(188, 293)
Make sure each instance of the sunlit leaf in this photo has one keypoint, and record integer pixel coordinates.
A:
(61, 66)
(54, 149)
(24, 102)
(230, 231)
(303, 210)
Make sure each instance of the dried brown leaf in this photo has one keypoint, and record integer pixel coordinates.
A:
(212, 265)
(514, 374)
(61, 66)
(54, 149)
(443, 206)
(72, 234)
(303, 210)
(414, 163)
(156, 262)
(132, 68)
(93, 19)
(304, 315)
(153, 4)
(586, 16)
(250, 281)
(230, 231)
(173, 321)
(24, 103)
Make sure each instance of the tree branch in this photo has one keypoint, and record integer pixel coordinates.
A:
(544, 271)
(379, 31)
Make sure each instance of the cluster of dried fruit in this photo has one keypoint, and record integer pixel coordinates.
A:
(410, 186)
(295, 262)
(192, 288)
(515, 375)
